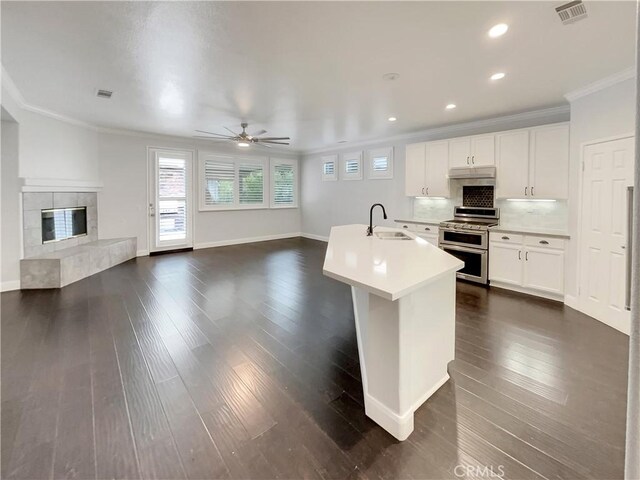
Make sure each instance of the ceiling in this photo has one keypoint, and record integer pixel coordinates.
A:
(310, 70)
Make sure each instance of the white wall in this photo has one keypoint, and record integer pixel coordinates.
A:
(337, 203)
(603, 114)
(10, 239)
(122, 203)
(54, 149)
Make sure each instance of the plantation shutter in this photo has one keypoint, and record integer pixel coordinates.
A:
(380, 164)
(219, 177)
(283, 184)
(352, 166)
(251, 184)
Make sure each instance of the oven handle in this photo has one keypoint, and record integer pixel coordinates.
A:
(446, 246)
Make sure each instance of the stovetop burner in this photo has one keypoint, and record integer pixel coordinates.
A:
(473, 218)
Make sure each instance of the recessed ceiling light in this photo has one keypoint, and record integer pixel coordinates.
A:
(497, 76)
(392, 119)
(243, 144)
(391, 76)
(498, 30)
(451, 106)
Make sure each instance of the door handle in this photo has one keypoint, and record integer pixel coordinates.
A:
(152, 211)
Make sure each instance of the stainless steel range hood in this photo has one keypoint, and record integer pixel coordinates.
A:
(473, 172)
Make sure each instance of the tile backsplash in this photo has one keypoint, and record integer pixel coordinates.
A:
(552, 215)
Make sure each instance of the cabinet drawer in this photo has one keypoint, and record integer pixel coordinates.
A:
(543, 242)
(506, 237)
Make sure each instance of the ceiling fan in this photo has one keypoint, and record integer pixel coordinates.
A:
(243, 139)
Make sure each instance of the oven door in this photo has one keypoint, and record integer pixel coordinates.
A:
(463, 238)
(475, 262)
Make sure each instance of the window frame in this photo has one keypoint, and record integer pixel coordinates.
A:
(273, 161)
(237, 161)
(350, 157)
(333, 177)
(379, 152)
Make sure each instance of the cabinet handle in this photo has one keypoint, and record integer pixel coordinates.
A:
(505, 238)
(519, 254)
(427, 229)
(427, 190)
(467, 160)
(525, 191)
(423, 190)
(405, 226)
(532, 191)
(473, 159)
(544, 242)
(526, 256)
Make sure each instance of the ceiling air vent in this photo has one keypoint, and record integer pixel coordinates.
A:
(572, 12)
(104, 93)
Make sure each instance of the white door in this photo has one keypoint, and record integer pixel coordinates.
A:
(608, 171)
(415, 170)
(512, 178)
(437, 170)
(170, 206)
(506, 263)
(460, 152)
(549, 174)
(483, 150)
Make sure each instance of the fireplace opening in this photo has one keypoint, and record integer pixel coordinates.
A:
(62, 223)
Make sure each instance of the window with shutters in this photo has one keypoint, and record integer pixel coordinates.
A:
(232, 183)
(284, 173)
(380, 163)
(329, 169)
(352, 166)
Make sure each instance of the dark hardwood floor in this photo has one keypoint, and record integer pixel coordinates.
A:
(241, 362)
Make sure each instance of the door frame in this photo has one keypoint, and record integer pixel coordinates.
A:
(579, 239)
(151, 185)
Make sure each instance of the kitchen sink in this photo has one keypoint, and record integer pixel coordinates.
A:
(392, 236)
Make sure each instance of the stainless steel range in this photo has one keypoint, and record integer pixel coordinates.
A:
(467, 238)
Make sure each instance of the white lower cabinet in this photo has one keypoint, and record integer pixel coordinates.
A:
(428, 232)
(529, 263)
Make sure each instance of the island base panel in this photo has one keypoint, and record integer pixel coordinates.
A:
(404, 348)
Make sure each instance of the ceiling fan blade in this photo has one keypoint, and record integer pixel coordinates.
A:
(213, 138)
(229, 130)
(273, 143)
(261, 145)
(212, 133)
(258, 133)
(272, 138)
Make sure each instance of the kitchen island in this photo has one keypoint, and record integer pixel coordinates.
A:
(404, 292)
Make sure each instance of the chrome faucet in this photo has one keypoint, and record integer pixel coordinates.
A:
(384, 213)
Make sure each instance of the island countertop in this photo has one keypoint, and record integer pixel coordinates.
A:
(388, 268)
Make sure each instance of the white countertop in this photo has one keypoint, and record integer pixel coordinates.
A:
(388, 268)
(549, 232)
(420, 221)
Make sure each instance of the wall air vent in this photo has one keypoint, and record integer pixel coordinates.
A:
(572, 12)
(104, 93)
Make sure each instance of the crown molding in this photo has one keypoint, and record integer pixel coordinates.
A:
(546, 113)
(601, 84)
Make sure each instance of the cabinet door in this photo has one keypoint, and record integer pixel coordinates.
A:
(549, 174)
(483, 150)
(506, 263)
(512, 158)
(460, 152)
(544, 269)
(415, 170)
(437, 170)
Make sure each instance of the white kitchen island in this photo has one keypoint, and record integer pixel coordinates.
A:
(404, 294)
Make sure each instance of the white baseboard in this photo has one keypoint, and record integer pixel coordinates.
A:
(536, 293)
(142, 253)
(239, 241)
(313, 236)
(571, 301)
(10, 285)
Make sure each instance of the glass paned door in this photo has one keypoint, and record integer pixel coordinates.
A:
(170, 199)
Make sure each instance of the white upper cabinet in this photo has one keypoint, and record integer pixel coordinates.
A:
(512, 158)
(460, 152)
(533, 163)
(476, 151)
(483, 150)
(437, 171)
(415, 170)
(427, 169)
(549, 165)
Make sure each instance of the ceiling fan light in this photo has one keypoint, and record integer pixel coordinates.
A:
(243, 144)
